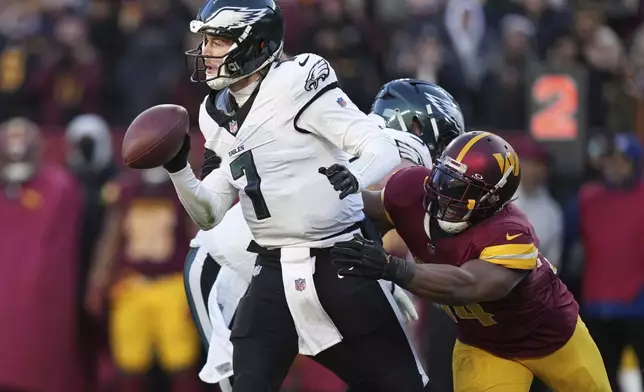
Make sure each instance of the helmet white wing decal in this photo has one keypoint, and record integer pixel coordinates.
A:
(448, 110)
(235, 17)
(410, 153)
(319, 71)
(196, 26)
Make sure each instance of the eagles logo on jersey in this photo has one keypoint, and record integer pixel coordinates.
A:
(319, 72)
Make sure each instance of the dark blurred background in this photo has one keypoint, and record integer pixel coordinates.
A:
(561, 80)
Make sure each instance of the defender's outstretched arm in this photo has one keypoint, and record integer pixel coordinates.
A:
(475, 281)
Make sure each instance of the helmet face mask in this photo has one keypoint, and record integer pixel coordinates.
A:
(254, 27)
(456, 196)
(227, 72)
(477, 175)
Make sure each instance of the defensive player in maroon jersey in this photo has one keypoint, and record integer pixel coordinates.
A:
(478, 256)
(142, 250)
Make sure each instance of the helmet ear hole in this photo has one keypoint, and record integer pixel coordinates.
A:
(416, 127)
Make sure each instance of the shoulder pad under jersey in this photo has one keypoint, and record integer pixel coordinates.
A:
(301, 78)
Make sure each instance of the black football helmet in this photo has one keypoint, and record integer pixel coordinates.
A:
(476, 176)
(422, 108)
(256, 28)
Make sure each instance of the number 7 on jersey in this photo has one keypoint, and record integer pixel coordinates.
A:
(245, 165)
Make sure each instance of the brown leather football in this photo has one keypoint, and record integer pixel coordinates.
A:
(155, 136)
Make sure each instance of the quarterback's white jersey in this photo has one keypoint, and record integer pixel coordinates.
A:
(299, 121)
(227, 242)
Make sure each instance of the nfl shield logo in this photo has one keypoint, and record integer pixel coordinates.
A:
(233, 127)
(341, 102)
(300, 284)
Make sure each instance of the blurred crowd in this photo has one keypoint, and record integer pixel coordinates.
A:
(85, 68)
(61, 58)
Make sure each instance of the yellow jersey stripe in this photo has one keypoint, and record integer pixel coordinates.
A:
(520, 256)
(469, 145)
(514, 263)
(382, 198)
(508, 249)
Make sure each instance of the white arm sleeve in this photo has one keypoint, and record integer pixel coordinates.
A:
(205, 201)
(411, 147)
(349, 129)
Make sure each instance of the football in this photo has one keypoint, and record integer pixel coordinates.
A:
(155, 136)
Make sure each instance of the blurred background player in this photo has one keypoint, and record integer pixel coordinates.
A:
(40, 227)
(90, 160)
(138, 267)
(613, 271)
(535, 200)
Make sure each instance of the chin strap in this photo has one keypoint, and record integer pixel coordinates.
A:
(457, 227)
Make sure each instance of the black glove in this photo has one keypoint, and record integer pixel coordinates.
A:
(341, 178)
(180, 160)
(211, 161)
(368, 259)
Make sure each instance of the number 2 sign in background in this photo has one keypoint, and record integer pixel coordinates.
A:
(557, 99)
(557, 113)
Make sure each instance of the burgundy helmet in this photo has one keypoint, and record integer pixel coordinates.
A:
(476, 176)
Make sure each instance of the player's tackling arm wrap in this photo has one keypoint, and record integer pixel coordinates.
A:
(344, 125)
(442, 283)
(475, 281)
(205, 201)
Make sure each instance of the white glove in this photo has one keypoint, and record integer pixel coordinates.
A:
(405, 304)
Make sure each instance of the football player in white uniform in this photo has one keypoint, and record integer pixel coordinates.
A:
(220, 254)
(291, 122)
(219, 269)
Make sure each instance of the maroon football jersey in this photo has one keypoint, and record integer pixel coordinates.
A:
(154, 234)
(535, 319)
